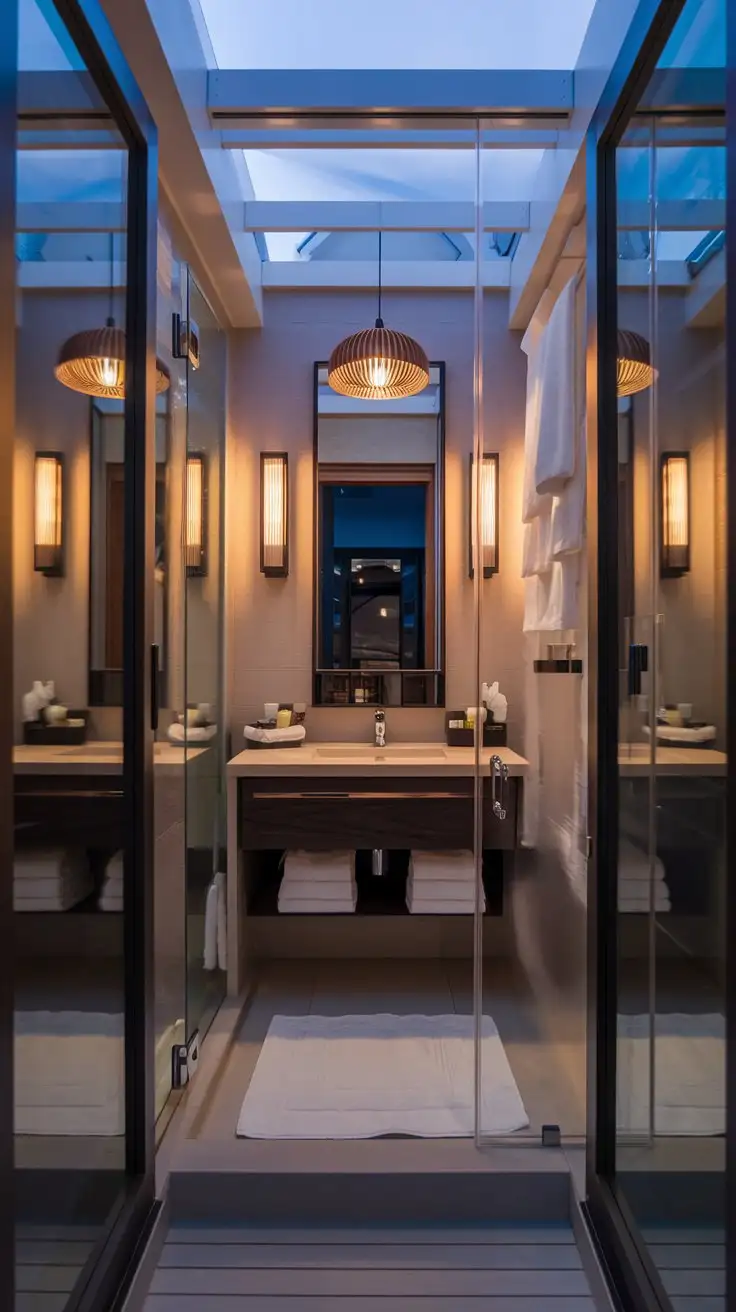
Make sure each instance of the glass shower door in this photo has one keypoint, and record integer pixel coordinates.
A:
(206, 748)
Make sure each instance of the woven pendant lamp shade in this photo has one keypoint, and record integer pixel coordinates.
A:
(93, 362)
(378, 364)
(635, 370)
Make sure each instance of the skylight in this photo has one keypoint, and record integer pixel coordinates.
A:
(396, 33)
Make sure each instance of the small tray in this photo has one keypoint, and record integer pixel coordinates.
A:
(268, 747)
(494, 735)
(36, 733)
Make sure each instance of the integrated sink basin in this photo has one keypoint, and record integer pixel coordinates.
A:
(366, 752)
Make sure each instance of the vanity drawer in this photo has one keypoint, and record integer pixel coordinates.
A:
(363, 813)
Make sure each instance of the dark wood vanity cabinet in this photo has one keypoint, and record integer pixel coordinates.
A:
(317, 814)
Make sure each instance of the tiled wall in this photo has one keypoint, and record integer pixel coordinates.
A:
(269, 621)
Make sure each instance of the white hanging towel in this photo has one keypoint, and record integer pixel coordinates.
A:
(537, 543)
(210, 927)
(532, 344)
(221, 886)
(551, 601)
(555, 457)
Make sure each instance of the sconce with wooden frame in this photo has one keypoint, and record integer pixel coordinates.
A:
(488, 515)
(48, 514)
(195, 549)
(275, 514)
(674, 518)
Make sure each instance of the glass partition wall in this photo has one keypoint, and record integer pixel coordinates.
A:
(658, 1153)
(81, 873)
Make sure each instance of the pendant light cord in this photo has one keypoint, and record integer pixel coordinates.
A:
(379, 320)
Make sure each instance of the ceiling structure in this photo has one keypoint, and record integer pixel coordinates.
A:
(295, 144)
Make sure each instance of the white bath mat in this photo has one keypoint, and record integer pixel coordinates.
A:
(69, 1073)
(358, 1077)
(689, 1074)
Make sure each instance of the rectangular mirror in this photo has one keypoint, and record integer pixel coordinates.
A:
(379, 556)
(106, 550)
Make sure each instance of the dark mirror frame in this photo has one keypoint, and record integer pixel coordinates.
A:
(419, 688)
(105, 683)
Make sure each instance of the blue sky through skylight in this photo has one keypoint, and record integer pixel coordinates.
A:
(396, 33)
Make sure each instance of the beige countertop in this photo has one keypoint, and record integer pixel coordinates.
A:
(362, 760)
(94, 758)
(635, 759)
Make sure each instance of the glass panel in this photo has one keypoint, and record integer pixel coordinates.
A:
(396, 34)
(203, 549)
(70, 1126)
(670, 1157)
(531, 628)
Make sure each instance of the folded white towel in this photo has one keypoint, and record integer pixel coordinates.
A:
(442, 888)
(46, 865)
(190, 733)
(459, 856)
(307, 906)
(555, 455)
(421, 908)
(110, 903)
(319, 867)
(294, 733)
(319, 893)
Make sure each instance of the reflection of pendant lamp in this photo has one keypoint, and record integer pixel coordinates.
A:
(93, 361)
(378, 364)
(634, 363)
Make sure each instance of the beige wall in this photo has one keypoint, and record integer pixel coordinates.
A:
(270, 407)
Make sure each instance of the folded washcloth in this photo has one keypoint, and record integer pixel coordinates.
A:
(318, 867)
(294, 733)
(181, 733)
(442, 865)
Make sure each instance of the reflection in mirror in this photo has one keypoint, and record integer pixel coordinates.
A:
(379, 587)
(107, 490)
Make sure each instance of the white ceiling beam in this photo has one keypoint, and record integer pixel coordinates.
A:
(397, 275)
(706, 302)
(501, 93)
(250, 134)
(695, 215)
(163, 45)
(60, 97)
(638, 273)
(388, 216)
(70, 216)
(70, 276)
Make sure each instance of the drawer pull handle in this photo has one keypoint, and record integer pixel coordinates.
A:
(361, 797)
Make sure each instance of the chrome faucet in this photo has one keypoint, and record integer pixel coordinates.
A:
(380, 723)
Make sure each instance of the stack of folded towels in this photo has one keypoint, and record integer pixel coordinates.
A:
(318, 883)
(111, 897)
(634, 893)
(50, 881)
(441, 884)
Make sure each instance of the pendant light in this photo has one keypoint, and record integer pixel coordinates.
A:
(93, 361)
(634, 364)
(378, 364)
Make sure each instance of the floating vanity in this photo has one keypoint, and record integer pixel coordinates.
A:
(332, 796)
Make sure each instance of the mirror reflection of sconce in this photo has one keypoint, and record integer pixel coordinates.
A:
(488, 512)
(675, 514)
(48, 540)
(196, 515)
(274, 514)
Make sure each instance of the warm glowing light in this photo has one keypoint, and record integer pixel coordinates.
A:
(109, 372)
(675, 512)
(383, 613)
(635, 371)
(48, 508)
(274, 515)
(195, 514)
(378, 364)
(484, 514)
(93, 362)
(378, 372)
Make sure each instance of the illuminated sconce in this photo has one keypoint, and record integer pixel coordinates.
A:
(675, 514)
(196, 515)
(48, 544)
(488, 511)
(274, 514)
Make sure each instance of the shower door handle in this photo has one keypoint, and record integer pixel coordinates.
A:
(499, 775)
(638, 665)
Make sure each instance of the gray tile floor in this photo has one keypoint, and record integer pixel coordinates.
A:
(549, 1076)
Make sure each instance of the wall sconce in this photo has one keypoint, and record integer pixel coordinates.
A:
(274, 514)
(488, 525)
(195, 551)
(675, 514)
(48, 543)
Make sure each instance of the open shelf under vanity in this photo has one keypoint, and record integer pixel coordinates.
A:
(384, 896)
